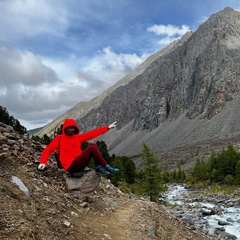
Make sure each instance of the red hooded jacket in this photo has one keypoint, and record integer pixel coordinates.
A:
(70, 146)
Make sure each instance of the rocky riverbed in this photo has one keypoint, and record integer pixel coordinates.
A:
(218, 215)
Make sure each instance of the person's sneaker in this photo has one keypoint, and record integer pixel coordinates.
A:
(102, 170)
(111, 169)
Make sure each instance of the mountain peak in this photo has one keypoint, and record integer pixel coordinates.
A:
(227, 16)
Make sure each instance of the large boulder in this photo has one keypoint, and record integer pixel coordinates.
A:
(81, 187)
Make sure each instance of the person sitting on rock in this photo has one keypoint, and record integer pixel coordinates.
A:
(72, 158)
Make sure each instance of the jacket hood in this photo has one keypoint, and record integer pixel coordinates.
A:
(69, 122)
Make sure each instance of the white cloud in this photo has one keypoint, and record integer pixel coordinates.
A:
(169, 30)
(31, 89)
(168, 33)
(23, 67)
(166, 40)
(110, 66)
(32, 18)
(99, 71)
(202, 20)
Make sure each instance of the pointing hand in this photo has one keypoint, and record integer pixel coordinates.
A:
(113, 125)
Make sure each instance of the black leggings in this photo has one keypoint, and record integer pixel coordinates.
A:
(80, 162)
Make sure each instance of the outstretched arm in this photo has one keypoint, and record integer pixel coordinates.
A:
(47, 151)
(96, 132)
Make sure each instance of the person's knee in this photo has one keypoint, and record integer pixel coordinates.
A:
(94, 145)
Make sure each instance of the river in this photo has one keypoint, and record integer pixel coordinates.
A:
(217, 215)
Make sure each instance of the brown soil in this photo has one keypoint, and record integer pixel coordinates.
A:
(132, 222)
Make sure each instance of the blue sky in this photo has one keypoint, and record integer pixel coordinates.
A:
(57, 53)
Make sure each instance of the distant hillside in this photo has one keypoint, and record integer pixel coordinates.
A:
(34, 131)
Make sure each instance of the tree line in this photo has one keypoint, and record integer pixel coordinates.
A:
(7, 119)
(222, 167)
(150, 179)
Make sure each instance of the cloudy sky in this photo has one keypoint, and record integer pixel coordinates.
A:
(57, 53)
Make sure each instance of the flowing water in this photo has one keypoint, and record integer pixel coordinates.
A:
(227, 217)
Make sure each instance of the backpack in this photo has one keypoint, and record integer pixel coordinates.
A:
(57, 154)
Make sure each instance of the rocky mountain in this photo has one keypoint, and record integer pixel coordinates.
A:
(183, 97)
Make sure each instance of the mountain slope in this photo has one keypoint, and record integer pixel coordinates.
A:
(184, 95)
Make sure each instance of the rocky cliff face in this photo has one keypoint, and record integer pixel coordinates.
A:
(198, 78)
(185, 94)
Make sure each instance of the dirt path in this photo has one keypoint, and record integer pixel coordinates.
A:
(137, 220)
(113, 225)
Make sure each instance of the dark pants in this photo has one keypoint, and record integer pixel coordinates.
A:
(80, 162)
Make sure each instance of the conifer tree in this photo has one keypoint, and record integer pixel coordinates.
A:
(11, 121)
(199, 171)
(152, 174)
(237, 172)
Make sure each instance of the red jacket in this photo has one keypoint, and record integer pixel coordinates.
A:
(70, 146)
